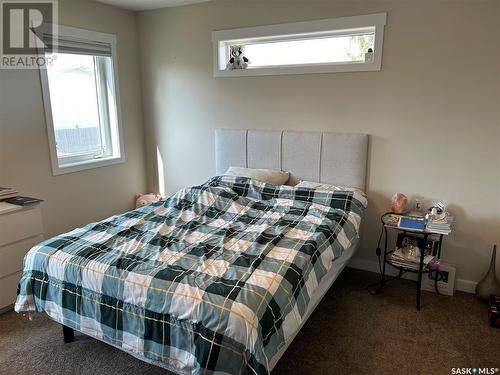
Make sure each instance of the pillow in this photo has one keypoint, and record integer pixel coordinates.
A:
(269, 176)
(327, 187)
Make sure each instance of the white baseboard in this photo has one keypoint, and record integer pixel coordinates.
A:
(466, 285)
(372, 266)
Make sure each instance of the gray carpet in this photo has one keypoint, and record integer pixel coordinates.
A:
(351, 331)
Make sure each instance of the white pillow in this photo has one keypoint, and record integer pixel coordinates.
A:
(269, 176)
(327, 187)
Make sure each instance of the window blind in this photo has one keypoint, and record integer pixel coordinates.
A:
(63, 44)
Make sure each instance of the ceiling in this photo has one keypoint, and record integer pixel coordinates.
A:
(149, 4)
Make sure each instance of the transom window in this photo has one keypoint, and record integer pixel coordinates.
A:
(311, 50)
(332, 45)
(81, 101)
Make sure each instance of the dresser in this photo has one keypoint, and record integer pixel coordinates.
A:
(20, 229)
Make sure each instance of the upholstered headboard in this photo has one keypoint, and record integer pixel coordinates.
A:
(333, 158)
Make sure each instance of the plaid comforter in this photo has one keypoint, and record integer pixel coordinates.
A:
(214, 279)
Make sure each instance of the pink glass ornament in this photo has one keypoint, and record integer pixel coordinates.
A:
(399, 203)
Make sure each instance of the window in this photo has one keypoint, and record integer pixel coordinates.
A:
(331, 45)
(81, 101)
(315, 50)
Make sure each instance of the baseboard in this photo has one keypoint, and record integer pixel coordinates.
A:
(372, 266)
(466, 285)
(7, 308)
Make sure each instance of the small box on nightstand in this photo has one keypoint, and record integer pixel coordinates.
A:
(494, 311)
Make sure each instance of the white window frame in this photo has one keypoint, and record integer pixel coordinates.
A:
(289, 31)
(92, 36)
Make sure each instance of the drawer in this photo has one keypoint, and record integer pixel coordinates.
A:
(8, 289)
(19, 225)
(12, 255)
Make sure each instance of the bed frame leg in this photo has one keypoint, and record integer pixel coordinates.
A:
(69, 334)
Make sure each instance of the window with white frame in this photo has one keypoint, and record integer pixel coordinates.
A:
(331, 45)
(80, 90)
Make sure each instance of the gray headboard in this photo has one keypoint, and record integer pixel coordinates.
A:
(333, 158)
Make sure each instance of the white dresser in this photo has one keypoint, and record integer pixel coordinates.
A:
(20, 229)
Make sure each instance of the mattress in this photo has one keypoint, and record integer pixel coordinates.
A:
(215, 279)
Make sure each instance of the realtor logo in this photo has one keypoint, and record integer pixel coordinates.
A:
(23, 24)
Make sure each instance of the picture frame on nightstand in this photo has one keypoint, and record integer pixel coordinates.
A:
(446, 280)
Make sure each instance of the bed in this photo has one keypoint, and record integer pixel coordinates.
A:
(219, 277)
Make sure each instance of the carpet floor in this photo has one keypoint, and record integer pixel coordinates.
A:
(351, 332)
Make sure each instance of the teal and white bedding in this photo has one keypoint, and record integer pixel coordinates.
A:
(214, 279)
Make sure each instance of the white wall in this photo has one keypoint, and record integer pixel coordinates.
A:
(433, 110)
(73, 199)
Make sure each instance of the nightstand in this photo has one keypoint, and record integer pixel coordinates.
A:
(20, 229)
(420, 269)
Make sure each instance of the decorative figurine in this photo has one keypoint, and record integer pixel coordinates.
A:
(237, 60)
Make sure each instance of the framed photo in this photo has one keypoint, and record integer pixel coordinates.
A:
(446, 280)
